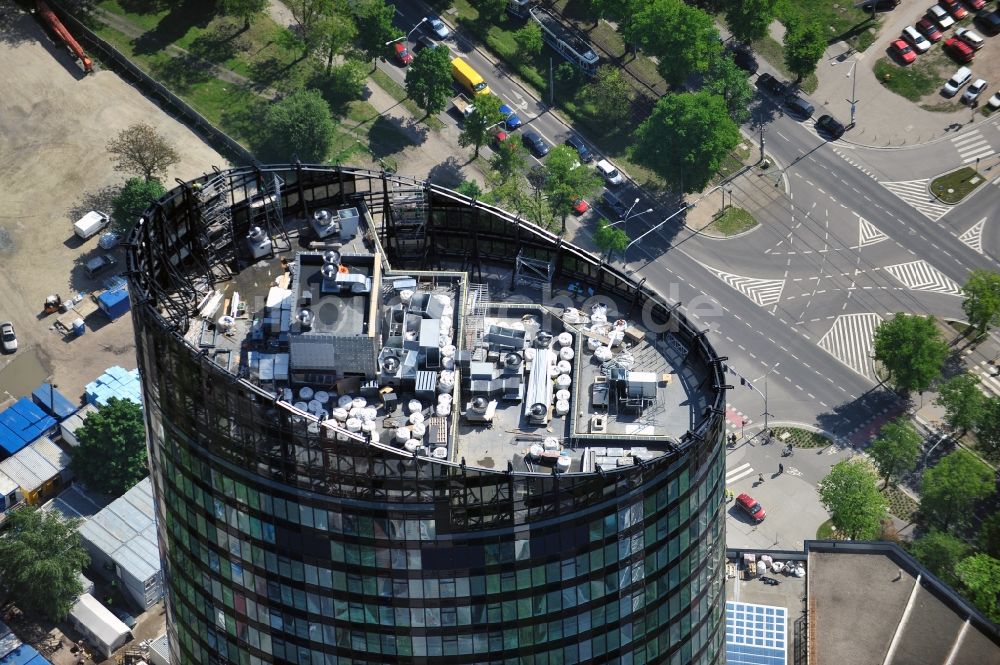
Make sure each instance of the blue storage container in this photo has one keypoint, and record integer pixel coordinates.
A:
(53, 401)
(114, 303)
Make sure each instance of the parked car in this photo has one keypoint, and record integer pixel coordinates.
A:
(423, 41)
(976, 4)
(438, 27)
(919, 42)
(499, 138)
(929, 30)
(98, 264)
(970, 37)
(612, 201)
(771, 85)
(975, 89)
(403, 55)
(799, 106)
(750, 506)
(610, 173)
(959, 50)
(880, 5)
(994, 102)
(903, 51)
(988, 22)
(955, 83)
(954, 8)
(7, 337)
(744, 59)
(511, 118)
(941, 16)
(830, 126)
(580, 206)
(534, 142)
(581, 148)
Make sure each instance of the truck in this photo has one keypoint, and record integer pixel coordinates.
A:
(463, 106)
(91, 224)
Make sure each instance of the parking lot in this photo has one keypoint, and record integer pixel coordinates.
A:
(54, 126)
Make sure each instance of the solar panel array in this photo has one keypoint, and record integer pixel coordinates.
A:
(755, 634)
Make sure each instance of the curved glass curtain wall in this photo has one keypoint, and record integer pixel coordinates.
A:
(281, 546)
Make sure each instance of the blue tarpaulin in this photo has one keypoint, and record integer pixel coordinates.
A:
(25, 421)
(53, 401)
(24, 655)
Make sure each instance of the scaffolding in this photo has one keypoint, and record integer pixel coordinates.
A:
(534, 272)
(408, 215)
(476, 303)
(265, 210)
(216, 233)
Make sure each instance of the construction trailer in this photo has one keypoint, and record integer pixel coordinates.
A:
(21, 423)
(53, 402)
(103, 630)
(41, 470)
(68, 427)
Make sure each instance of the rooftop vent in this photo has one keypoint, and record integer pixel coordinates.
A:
(305, 318)
(331, 256)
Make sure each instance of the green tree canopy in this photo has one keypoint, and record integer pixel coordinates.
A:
(684, 38)
(111, 456)
(685, 139)
(982, 300)
(469, 188)
(962, 400)
(850, 494)
(40, 562)
(132, 200)
(988, 426)
(335, 31)
(566, 181)
(247, 10)
(940, 552)
(989, 535)
(299, 124)
(730, 82)
(805, 43)
(980, 574)
(529, 39)
(428, 79)
(477, 125)
(141, 149)
(610, 238)
(610, 93)
(911, 350)
(375, 28)
(309, 15)
(491, 11)
(509, 159)
(896, 449)
(951, 488)
(749, 20)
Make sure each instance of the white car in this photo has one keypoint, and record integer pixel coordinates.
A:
(994, 102)
(438, 27)
(970, 38)
(955, 83)
(7, 337)
(941, 16)
(918, 41)
(974, 90)
(610, 173)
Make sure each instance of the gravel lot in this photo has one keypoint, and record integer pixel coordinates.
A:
(54, 126)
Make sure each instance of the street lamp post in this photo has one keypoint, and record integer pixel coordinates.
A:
(766, 413)
(683, 208)
(854, 88)
(407, 35)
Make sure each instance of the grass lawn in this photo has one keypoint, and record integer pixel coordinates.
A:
(912, 82)
(398, 93)
(841, 19)
(827, 531)
(800, 438)
(955, 186)
(732, 221)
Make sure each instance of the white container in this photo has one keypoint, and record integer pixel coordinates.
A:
(563, 381)
(562, 464)
(369, 413)
(322, 397)
(353, 425)
(442, 409)
(416, 417)
(564, 367)
(301, 406)
(369, 426)
(412, 446)
(553, 370)
(418, 430)
(535, 451)
(359, 402)
(593, 343)
(616, 337)
(444, 398)
(355, 412)
(602, 353)
(564, 339)
(339, 414)
(414, 405)
(406, 295)
(571, 315)
(440, 452)
(315, 406)
(562, 407)
(403, 434)
(305, 393)
(448, 351)
(446, 381)
(566, 353)
(621, 324)
(562, 395)
(551, 443)
(448, 362)
(345, 401)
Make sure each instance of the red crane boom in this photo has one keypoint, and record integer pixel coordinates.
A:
(60, 30)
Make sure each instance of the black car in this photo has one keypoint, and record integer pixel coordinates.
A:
(581, 148)
(612, 201)
(98, 264)
(799, 106)
(744, 60)
(830, 126)
(771, 85)
(880, 5)
(988, 22)
(423, 41)
(535, 143)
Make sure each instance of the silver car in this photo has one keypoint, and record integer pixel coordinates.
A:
(7, 337)
(972, 93)
(438, 27)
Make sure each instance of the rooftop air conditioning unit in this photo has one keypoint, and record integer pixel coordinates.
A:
(259, 243)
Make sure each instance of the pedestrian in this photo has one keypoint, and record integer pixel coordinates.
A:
(760, 477)
(781, 468)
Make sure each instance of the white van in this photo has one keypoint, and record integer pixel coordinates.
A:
(610, 173)
(91, 224)
(956, 82)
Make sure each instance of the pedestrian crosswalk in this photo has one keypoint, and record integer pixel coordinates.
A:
(762, 291)
(989, 383)
(740, 472)
(849, 340)
(917, 195)
(974, 236)
(972, 146)
(922, 276)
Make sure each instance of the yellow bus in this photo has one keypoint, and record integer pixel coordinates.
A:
(468, 77)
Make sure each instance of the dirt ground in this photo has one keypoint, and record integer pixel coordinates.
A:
(54, 126)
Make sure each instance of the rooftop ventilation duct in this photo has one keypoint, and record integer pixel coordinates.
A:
(305, 318)
(331, 257)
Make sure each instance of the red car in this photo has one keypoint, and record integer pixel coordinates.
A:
(750, 506)
(499, 138)
(954, 8)
(580, 206)
(976, 4)
(903, 51)
(402, 54)
(929, 30)
(959, 50)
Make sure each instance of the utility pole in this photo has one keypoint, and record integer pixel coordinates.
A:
(854, 85)
(552, 86)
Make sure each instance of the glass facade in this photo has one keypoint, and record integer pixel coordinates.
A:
(281, 545)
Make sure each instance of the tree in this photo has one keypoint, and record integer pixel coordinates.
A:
(112, 450)
(940, 551)
(491, 11)
(529, 39)
(989, 535)
(730, 82)
(805, 44)
(988, 426)
(308, 14)
(749, 20)
(610, 238)
(133, 199)
(951, 488)
(334, 32)
(140, 149)
(566, 181)
(683, 37)
(247, 10)
(469, 188)
(980, 573)
(477, 124)
(911, 350)
(850, 494)
(508, 159)
(982, 300)
(962, 401)
(298, 125)
(40, 561)
(685, 139)
(610, 93)
(375, 28)
(896, 449)
(428, 79)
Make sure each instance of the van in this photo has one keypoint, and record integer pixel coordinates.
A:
(799, 106)
(610, 173)
(468, 78)
(91, 224)
(956, 82)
